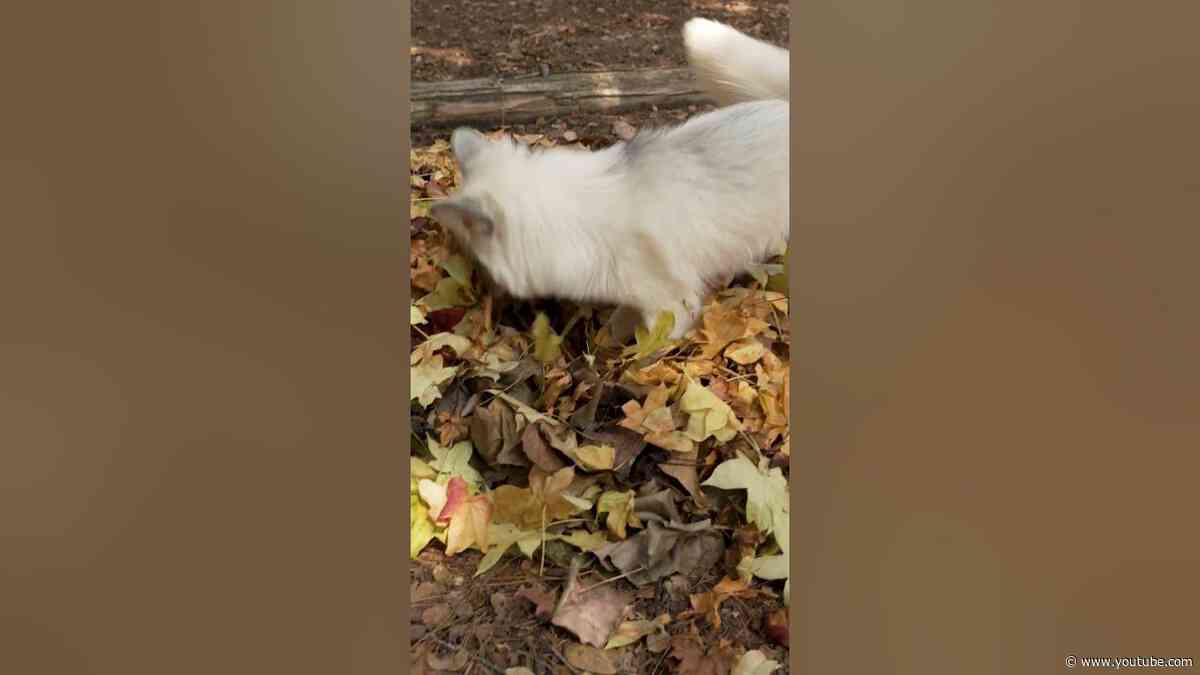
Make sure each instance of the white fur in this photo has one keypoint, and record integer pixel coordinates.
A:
(733, 67)
(648, 225)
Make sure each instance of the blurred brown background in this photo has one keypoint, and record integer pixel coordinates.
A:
(997, 208)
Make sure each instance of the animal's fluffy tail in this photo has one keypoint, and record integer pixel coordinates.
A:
(732, 66)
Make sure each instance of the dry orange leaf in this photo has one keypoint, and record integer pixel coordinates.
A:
(469, 525)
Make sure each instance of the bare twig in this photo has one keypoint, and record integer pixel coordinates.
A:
(616, 578)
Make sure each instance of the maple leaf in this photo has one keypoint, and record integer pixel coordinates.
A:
(766, 507)
(421, 529)
(584, 540)
(455, 495)
(656, 422)
(424, 274)
(417, 468)
(708, 415)
(636, 413)
(766, 494)
(745, 351)
(709, 604)
(451, 427)
(767, 567)
(590, 613)
(723, 324)
(594, 457)
(754, 662)
(693, 659)
(656, 373)
(547, 344)
(426, 350)
(630, 632)
(454, 290)
(556, 382)
(526, 507)
(469, 525)
(502, 536)
(619, 506)
(425, 377)
(650, 341)
(454, 461)
(415, 316)
(448, 293)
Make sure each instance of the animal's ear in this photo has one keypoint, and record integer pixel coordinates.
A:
(467, 143)
(463, 216)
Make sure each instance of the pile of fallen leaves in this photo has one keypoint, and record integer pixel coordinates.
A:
(622, 469)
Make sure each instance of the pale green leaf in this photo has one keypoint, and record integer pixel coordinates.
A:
(708, 415)
(766, 494)
(455, 461)
(650, 341)
(425, 377)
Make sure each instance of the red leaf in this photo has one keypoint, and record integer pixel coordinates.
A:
(777, 627)
(456, 494)
(444, 320)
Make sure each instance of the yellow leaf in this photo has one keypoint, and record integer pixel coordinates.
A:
(457, 343)
(419, 469)
(596, 457)
(584, 540)
(676, 441)
(657, 373)
(754, 662)
(709, 415)
(619, 506)
(448, 293)
(526, 507)
(501, 537)
(744, 352)
(636, 413)
(649, 342)
(546, 344)
(425, 378)
(421, 529)
(659, 420)
(630, 632)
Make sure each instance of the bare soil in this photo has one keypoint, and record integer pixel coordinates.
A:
(527, 38)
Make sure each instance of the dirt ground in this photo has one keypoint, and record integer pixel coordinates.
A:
(491, 38)
(506, 38)
(490, 623)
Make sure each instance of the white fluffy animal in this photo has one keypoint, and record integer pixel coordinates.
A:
(651, 224)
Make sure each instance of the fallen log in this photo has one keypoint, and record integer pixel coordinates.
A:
(522, 100)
